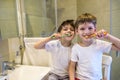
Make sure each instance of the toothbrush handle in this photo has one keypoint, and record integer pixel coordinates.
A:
(94, 35)
(53, 37)
(65, 35)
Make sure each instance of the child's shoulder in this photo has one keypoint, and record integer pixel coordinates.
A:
(98, 41)
(53, 43)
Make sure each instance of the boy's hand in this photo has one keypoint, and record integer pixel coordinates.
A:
(101, 34)
(56, 36)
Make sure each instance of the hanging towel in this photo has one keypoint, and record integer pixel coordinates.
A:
(36, 57)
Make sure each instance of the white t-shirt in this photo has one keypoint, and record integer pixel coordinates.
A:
(89, 59)
(60, 57)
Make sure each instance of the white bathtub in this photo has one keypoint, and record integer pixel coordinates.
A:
(25, 72)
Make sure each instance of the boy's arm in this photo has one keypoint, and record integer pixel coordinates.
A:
(72, 70)
(115, 42)
(41, 44)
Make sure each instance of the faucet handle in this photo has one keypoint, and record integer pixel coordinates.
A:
(4, 64)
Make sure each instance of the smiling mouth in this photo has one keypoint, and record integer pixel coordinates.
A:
(67, 35)
(90, 36)
(64, 35)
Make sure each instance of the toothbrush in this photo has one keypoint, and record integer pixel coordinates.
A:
(94, 35)
(65, 35)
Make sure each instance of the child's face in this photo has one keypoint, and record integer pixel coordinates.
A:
(68, 29)
(85, 29)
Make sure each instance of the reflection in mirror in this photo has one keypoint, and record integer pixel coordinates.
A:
(40, 17)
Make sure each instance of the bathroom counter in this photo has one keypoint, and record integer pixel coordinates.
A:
(25, 72)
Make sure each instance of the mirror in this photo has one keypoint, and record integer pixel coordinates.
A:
(39, 18)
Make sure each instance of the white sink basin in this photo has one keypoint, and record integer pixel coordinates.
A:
(3, 77)
(25, 72)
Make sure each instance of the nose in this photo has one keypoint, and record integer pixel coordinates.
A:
(86, 31)
(69, 30)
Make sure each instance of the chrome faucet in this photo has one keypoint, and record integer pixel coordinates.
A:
(7, 66)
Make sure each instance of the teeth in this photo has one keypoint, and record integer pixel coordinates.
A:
(90, 36)
(86, 37)
(68, 35)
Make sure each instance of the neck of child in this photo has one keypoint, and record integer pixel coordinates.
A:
(65, 43)
(86, 43)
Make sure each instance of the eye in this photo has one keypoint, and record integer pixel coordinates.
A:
(90, 28)
(65, 29)
(82, 29)
(71, 29)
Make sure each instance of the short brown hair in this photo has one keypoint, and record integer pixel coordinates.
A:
(86, 17)
(67, 22)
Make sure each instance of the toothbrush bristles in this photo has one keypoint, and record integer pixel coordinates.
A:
(66, 35)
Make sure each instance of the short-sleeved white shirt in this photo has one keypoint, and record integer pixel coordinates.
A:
(89, 59)
(60, 57)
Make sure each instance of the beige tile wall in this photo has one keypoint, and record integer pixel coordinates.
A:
(115, 15)
(4, 52)
(38, 20)
(66, 10)
(99, 8)
(8, 19)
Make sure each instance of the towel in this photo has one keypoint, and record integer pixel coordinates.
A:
(36, 57)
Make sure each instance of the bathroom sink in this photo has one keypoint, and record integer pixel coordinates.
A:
(25, 72)
(4, 77)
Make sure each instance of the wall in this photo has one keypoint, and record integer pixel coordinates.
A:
(101, 9)
(13, 48)
(8, 19)
(8, 27)
(38, 19)
(115, 30)
(8, 49)
(66, 9)
(4, 52)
